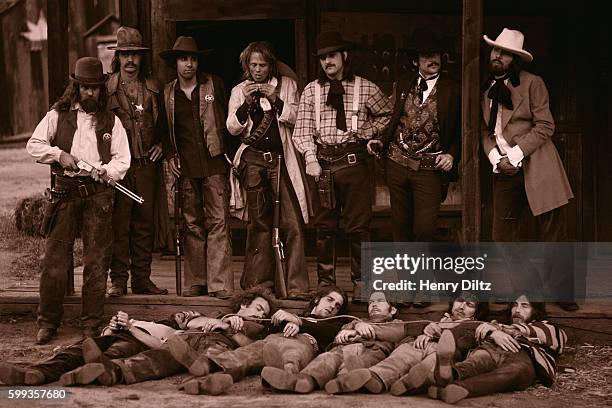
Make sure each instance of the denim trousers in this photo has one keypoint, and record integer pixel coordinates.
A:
(400, 361)
(325, 367)
(207, 240)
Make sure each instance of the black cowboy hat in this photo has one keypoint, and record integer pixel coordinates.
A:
(88, 71)
(182, 46)
(424, 40)
(330, 41)
(128, 39)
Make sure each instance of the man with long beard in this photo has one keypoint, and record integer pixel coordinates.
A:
(79, 128)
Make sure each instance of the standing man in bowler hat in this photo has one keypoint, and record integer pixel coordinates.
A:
(135, 98)
(195, 106)
(338, 114)
(78, 127)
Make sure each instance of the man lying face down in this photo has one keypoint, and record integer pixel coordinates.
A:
(356, 342)
(175, 351)
(300, 339)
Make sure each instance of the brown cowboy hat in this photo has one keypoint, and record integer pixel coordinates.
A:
(88, 71)
(128, 39)
(330, 41)
(182, 46)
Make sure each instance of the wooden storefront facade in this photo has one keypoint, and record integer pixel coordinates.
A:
(564, 36)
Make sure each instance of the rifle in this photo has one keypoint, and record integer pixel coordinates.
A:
(280, 280)
(177, 235)
(87, 168)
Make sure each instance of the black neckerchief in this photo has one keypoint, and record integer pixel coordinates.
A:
(422, 85)
(335, 100)
(499, 93)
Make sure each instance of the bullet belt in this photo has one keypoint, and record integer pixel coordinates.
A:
(424, 161)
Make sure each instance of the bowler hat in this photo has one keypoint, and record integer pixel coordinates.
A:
(128, 39)
(424, 40)
(183, 45)
(88, 71)
(330, 41)
(511, 41)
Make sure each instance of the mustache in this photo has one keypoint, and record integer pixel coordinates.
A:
(433, 64)
(329, 65)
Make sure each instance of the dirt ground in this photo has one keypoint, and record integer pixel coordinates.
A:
(589, 385)
(587, 381)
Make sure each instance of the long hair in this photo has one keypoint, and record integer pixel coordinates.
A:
(71, 96)
(314, 301)
(538, 312)
(347, 64)
(482, 308)
(246, 297)
(144, 71)
(267, 52)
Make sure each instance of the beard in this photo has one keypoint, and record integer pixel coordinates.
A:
(89, 105)
(497, 69)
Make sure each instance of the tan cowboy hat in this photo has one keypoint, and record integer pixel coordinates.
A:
(511, 41)
(128, 39)
(88, 71)
(183, 45)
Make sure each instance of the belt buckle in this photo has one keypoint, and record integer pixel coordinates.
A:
(83, 190)
(352, 159)
(268, 157)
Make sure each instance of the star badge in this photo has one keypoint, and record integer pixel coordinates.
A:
(139, 108)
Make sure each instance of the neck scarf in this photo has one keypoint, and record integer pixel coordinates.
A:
(335, 100)
(499, 94)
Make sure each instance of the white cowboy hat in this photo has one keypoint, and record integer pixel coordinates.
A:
(511, 41)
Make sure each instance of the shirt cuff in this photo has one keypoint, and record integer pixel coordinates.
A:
(56, 152)
(515, 156)
(494, 158)
(310, 156)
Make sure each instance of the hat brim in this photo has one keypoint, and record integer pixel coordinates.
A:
(127, 48)
(524, 55)
(81, 81)
(340, 47)
(173, 54)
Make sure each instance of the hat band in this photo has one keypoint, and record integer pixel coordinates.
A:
(129, 45)
(88, 80)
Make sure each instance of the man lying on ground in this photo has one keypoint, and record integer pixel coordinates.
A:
(355, 342)
(394, 372)
(211, 335)
(509, 358)
(123, 337)
(293, 348)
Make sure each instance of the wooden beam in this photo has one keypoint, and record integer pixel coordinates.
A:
(57, 39)
(128, 12)
(470, 119)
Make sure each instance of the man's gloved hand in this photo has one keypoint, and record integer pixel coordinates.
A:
(314, 169)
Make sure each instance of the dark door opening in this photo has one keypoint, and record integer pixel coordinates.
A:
(229, 38)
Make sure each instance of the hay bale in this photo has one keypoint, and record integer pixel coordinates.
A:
(29, 214)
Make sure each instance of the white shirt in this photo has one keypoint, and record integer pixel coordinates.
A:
(514, 154)
(84, 144)
(430, 85)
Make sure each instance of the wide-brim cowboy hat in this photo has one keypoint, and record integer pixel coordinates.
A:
(88, 71)
(128, 39)
(424, 40)
(511, 41)
(331, 41)
(182, 46)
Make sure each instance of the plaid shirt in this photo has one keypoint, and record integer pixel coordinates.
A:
(374, 114)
